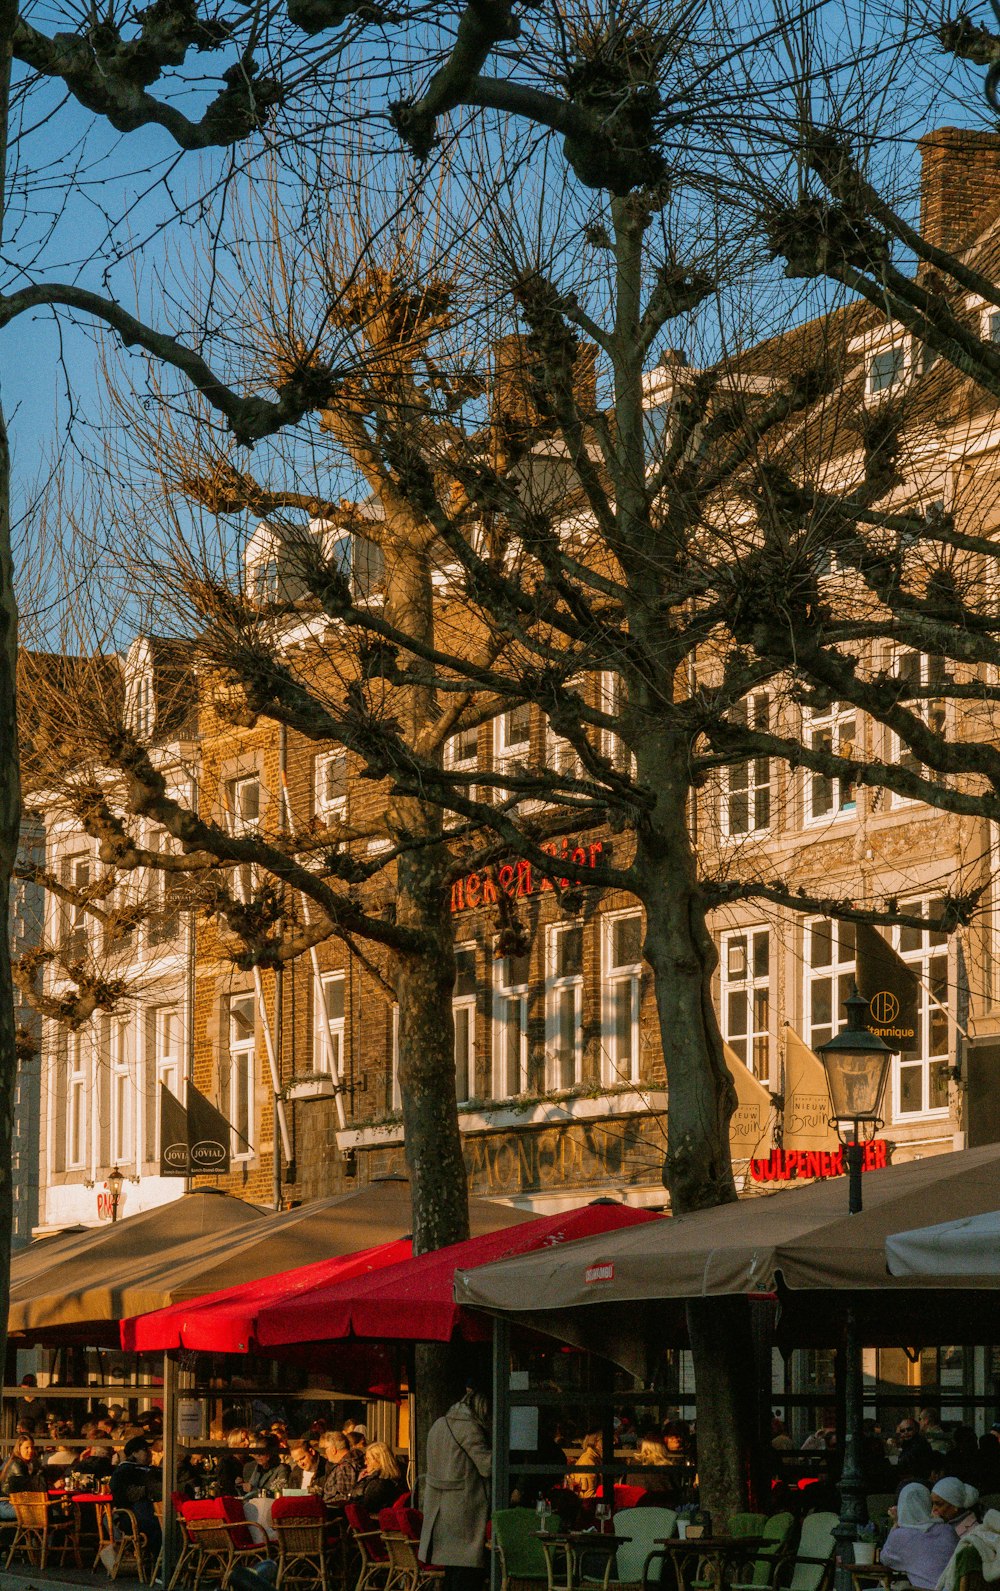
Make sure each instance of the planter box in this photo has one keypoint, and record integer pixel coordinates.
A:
(315, 1085)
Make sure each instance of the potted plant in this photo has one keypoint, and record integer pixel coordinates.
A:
(864, 1545)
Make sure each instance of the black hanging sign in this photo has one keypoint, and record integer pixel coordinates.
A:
(209, 1134)
(891, 989)
(173, 1135)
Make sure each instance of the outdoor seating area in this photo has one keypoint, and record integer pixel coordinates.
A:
(257, 1466)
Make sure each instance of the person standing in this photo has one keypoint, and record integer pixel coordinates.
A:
(455, 1493)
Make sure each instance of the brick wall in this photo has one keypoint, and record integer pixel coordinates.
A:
(960, 185)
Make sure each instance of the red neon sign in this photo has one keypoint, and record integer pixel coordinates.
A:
(788, 1165)
(517, 879)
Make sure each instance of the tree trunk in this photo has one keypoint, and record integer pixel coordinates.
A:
(697, 1167)
(425, 985)
(10, 820)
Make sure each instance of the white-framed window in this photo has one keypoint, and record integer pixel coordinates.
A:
(833, 731)
(244, 802)
(746, 786)
(242, 1073)
(78, 1093)
(613, 700)
(162, 902)
(920, 1078)
(829, 976)
(564, 1005)
(330, 783)
(461, 754)
(885, 369)
(78, 875)
(621, 934)
(463, 1010)
(330, 994)
(510, 1026)
(168, 1058)
(745, 996)
(511, 744)
(921, 670)
(144, 707)
(990, 325)
(124, 1094)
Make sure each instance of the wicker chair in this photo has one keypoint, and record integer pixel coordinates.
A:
(401, 1537)
(123, 1538)
(219, 1546)
(303, 1561)
(367, 1539)
(41, 1530)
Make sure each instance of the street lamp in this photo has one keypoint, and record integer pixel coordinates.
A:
(115, 1184)
(856, 1062)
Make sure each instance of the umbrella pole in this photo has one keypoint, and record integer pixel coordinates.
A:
(169, 1462)
(501, 1431)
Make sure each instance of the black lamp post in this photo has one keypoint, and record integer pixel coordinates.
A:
(115, 1183)
(857, 1065)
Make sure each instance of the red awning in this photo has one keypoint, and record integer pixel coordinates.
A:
(413, 1300)
(227, 1321)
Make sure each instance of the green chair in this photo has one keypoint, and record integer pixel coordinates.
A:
(522, 1559)
(645, 1527)
(776, 1532)
(810, 1567)
(968, 1569)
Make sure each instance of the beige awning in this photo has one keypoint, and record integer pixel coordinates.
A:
(198, 1244)
(804, 1236)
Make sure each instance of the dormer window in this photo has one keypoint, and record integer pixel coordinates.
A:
(886, 369)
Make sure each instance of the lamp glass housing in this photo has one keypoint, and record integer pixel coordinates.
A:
(115, 1181)
(856, 1062)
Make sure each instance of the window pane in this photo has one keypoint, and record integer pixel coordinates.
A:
(761, 955)
(622, 998)
(736, 1013)
(241, 1021)
(569, 952)
(567, 1037)
(465, 972)
(463, 1052)
(820, 944)
(626, 941)
(739, 814)
(938, 1085)
(736, 957)
(514, 974)
(822, 1003)
(846, 939)
(909, 1089)
(517, 726)
(333, 990)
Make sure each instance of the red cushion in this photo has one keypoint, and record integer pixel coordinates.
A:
(628, 1496)
(411, 1521)
(310, 1507)
(206, 1508)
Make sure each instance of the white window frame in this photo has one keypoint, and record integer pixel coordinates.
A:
(323, 1060)
(124, 1093)
(928, 1013)
(557, 987)
(168, 1063)
(462, 764)
(144, 705)
(828, 729)
(242, 1067)
(78, 871)
(989, 324)
(512, 757)
(899, 352)
(840, 972)
(615, 749)
(621, 980)
(240, 823)
(930, 711)
(759, 778)
(78, 1096)
(745, 987)
(506, 995)
(326, 806)
(463, 1010)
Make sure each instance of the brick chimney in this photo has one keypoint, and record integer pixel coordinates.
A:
(959, 185)
(511, 400)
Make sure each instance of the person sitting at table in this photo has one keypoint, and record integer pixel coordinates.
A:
(652, 1466)
(341, 1475)
(591, 1455)
(267, 1474)
(62, 1457)
(381, 1482)
(303, 1463)
(918, 1545)
(953, 1501)
(134, 1485)
(23, 1472)
(95, 1464)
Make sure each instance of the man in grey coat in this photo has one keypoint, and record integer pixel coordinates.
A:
(455, 1493)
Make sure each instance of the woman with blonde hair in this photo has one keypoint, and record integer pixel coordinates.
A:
(652, 1466)
(381, 1482)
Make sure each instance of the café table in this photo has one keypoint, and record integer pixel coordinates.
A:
(720, 1555)
(87, 1526)
(572, 1546)
(873, 1574)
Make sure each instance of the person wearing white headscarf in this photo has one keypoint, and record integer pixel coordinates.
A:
(985, 1539)
(919, 1545)
(952, 1500)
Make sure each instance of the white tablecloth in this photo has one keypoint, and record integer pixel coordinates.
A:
(258, 1509)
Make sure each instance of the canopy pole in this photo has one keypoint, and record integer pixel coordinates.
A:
(501, 1431)
(169, 1463)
